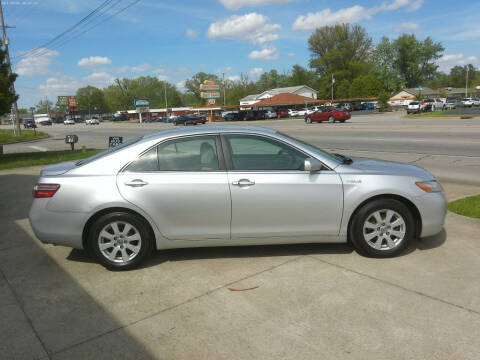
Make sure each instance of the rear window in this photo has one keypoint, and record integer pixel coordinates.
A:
(414, 103)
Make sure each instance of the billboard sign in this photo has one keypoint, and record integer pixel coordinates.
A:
(72, 102)
(62, 101)
(141, 102)
(209, 82)
(210, 94)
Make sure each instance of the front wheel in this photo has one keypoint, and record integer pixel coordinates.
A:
(308, 120)
(120, 241)
(382, 228)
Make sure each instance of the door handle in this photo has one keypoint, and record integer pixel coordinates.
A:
(243, 182)
(136, 183)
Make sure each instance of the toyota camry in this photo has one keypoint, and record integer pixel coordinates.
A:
(231, 185)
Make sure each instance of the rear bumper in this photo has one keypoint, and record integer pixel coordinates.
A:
(433, 209)
(58, 228)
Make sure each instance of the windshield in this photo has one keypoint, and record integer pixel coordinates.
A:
(414, 103)
(314, 149)
(107, 152)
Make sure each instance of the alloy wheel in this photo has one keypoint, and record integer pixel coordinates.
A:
(119, 242)
(384, 229)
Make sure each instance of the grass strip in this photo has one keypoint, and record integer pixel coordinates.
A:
(7, 136)
(469, 206)
(10, 161)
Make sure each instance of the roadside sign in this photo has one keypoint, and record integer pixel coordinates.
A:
(72, 102)
(141, 102)
(115, 141)
(210, 87)
(211, 101)
(210, 94)
(209, 82)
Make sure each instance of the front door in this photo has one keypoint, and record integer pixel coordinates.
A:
(183, 187)
(272, 195)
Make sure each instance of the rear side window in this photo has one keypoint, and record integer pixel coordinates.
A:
(189, 154)
(146, 162)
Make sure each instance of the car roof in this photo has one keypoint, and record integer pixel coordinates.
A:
(209, 130)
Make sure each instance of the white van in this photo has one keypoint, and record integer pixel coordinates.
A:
(42, 119)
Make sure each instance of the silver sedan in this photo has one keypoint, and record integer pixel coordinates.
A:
(231, 185)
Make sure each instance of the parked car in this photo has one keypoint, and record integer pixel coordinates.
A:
(292, 113)
(347, 106)
(29, 124)
(46, 123)
(453, 103)
(255, 115)
(189, 119)
(282, 113)
(231, 116)
(368, 106)
(92, 121)
(433, 104)
(257, 186)
(302, 112)
(467, 102)
(270, 114)
(414, 107)
(329, 114)
(68, 122)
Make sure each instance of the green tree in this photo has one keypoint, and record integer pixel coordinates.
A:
(415, 60)
(383, 98)
(458, 75)
(383, 60)
(90, 97)
(271, 80)
(192, 86)
(439, 80)
(366, 86)
(300, 76)
(7, 96)
(341, 50)
(343, 89)
(44, 106)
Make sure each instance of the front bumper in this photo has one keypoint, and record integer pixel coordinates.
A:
(433, 209)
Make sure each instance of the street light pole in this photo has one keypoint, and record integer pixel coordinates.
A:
(466, 84)
(16, 121)
(166, 100)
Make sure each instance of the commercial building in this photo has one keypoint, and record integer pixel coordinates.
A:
(406, 95)
(302, 90)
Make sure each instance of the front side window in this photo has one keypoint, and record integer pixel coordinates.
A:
(259, 153)
(189, 154)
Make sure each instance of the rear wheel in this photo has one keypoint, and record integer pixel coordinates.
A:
(382, 228)
(331, 119)
(175, 123)
(120, 241)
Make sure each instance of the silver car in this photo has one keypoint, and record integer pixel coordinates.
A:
(231, 185)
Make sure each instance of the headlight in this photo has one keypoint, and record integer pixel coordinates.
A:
(429, 186)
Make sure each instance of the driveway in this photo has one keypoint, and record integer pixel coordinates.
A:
(313, 301)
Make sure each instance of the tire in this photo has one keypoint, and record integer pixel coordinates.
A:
(342, 121)
(331, 119)
(175, 123)
(138, 229)
(185, 123)
(381, 241)
(308, 120)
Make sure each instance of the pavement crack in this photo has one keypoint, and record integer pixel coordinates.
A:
(208, 292)
(420, 158)
(27, 318)
(397, 286)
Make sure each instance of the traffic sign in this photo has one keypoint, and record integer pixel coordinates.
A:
(210, 94)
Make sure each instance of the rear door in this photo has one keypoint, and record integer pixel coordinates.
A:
(183, 185)
(272, 195)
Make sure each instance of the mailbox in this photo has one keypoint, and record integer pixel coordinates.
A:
(71, 139)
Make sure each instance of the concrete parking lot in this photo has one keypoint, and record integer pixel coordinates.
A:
(315, 301)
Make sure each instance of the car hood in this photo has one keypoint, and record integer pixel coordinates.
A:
(382, 167)
(58, 169)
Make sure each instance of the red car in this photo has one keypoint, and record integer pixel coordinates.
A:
(329, 114)
(282, 113)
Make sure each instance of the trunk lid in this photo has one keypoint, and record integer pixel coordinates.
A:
(58, 169)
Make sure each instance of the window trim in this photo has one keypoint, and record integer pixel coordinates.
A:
(229, 162)
(220, 154)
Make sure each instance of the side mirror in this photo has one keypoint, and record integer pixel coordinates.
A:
(313, 165)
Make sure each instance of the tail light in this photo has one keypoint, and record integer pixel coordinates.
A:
(45, 190)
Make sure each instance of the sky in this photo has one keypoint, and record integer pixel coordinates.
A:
(173, 40)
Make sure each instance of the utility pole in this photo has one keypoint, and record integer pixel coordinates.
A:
(223, 77)
(166, 100)
(333, 82)
(466, 84)
(16, 122)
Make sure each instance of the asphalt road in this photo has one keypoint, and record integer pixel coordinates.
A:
(449, 147)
